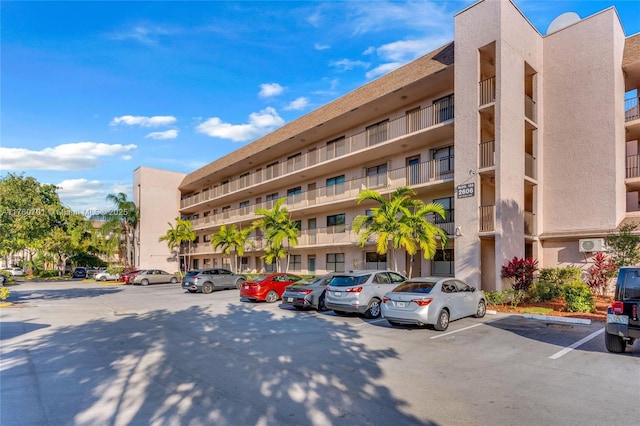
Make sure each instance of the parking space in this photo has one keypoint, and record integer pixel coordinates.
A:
(159, 355)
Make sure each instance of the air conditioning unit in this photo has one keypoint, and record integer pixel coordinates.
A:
(591, 245)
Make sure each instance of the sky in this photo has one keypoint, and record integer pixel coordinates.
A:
(91, 90)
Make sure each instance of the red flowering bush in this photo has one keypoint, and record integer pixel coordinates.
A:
(521, 271)
(603, 269)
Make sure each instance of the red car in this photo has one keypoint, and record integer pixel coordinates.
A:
(267, 287)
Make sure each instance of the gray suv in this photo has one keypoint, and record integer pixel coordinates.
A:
(360, 291)
(207, 280)
(623, 316)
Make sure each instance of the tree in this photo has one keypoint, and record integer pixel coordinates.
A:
(624, 246)
(176, 235)
(231, 239)
(121, 221)
(69, 237)
(27, 209)
(416, 230)
(385, 221)
(280, 231)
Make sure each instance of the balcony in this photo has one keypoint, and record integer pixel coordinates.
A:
(631, 108)
(487, 91)
(422, 119)
(530, 108)
(529, 223)
(487, 154)
(429, 172)
(633, 166)
(487, 218)
(529, 165)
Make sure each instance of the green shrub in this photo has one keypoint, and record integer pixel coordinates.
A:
(495, 297)
(506, 297)
(4, 293)
(48, 273)
(578, 297)
(560, 276)
(542, 291)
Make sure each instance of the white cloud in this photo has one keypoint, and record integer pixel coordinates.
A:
(72, 189)
(348, 64)
(71, 156)
(378, 16)
(259, 124)
(383, 69)
(297, 104)
(168, 134)
(126, 157)
(319, 46)
(407, 50)
(137, 120)
(268, 90)
(145, 33)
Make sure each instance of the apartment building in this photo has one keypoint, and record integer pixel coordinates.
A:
(529, 141)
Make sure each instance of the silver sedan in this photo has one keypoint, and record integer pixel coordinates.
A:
(432, 301)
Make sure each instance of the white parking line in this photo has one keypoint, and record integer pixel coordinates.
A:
(455, 331)
(370, 322)
(576, 344)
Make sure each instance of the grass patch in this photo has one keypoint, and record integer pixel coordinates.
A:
(536, 310)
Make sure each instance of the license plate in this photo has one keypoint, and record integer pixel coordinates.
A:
(617, 319)
(337, 293)
(289, 299)
(401, 304)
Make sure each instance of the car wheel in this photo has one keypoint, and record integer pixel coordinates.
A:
(615, 344)
(239, 284)
(321, 305)
(272, 296)
(144, 282)
(443, 321)
(103, 278)
(373, 311)
(482, 309)
(207, 288)
(192, 291)
(174, 280)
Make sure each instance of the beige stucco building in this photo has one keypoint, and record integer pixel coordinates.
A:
(545, 131)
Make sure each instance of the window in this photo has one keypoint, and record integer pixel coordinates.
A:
(447, 204)
(335, 185)
(244, 204)
(443, 109)
(375, 260)
(244, 263)
(270, 267)
(245, 180)
(226, 212)
(335, 148)
(272, 170)
(443, 262)
(335, 223)
(377, 133)
(272, 197)
(443, 159)
(206, 263)
(413, 172)
(335, 262)
(294, 162)
(412, 118)
(206, 238)
(376, 175)
(195, 264)
(295, 262)
(294, 195)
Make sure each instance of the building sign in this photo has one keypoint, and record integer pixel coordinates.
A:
(466, 190)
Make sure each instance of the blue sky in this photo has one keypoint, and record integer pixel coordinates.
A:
(92, 90)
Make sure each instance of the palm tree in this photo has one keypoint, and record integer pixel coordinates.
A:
(121, 221)
(231, 239)
(280, 231)
(176, 235)
(384, 221)
(416, 230)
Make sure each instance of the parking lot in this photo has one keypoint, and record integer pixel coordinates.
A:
(89, 354)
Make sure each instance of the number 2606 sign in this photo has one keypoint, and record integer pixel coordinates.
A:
(466, 190)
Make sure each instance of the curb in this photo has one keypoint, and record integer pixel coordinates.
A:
(558, 319)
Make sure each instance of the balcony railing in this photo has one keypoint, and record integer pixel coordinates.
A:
(529, 223)
(487, 154)
(419, 120)
(487, 91)
(632, 108)
(530, 108)
(633, 166)
(434, 171)
(529, 165)
(487, 218)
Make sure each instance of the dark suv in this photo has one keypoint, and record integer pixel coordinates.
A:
(207, 280)
(623, 324)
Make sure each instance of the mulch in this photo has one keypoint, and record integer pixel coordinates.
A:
(558, 307)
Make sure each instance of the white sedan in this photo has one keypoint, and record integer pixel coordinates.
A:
(15, 271)
(105, 276)
(432, 301)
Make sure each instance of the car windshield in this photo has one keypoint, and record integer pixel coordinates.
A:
(348, 281)
(415, 287)
(631, 290)
(259, 278)
(192, 273)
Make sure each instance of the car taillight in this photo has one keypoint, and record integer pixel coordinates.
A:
(306, 291)
(617, 307)
(422, 302)
(354, 290)
(385, 299)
